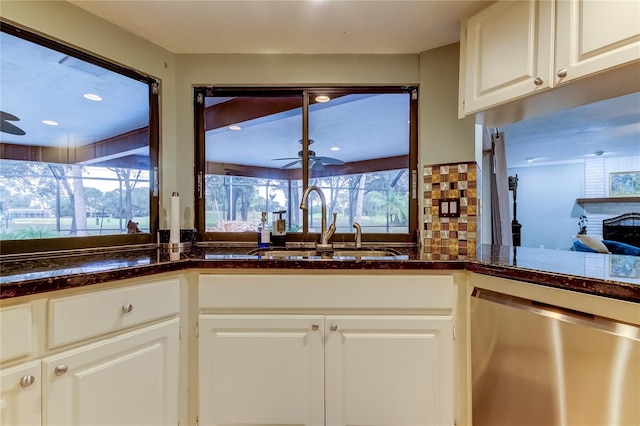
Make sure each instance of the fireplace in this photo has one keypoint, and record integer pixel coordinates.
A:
(624, 228)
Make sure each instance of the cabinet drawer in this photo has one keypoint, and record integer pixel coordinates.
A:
(327, 292)
(15, 328)
(88, 315)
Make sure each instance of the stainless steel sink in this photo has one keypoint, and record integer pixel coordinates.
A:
(358, 253)
(284, 253)
(343, 253)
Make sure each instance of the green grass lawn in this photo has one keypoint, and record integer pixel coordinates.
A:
(370, 224)
(26, 228)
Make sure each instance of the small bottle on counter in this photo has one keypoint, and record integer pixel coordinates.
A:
(264, 235)
(279, 229)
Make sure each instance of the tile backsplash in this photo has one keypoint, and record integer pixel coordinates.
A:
(455, 236)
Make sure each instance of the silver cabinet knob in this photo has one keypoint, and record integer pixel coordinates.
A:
(126, 308)
(562, 73)
(538, 81)
(27, 381)
(333, 327)
(315, 326)
(61, 369)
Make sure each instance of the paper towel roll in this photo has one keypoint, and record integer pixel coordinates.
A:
(174, 228)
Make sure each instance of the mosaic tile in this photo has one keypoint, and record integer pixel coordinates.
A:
(451, 236)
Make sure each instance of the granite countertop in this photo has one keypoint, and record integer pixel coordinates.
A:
(599, 274)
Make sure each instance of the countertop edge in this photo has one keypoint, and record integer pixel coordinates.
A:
(592, 286)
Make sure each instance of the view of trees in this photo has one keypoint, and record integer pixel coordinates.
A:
(378, 201)
(44, 200)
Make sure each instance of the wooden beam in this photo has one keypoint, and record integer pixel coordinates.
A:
(242, 109)
(367, 166)
(248, 107)
(73, 155)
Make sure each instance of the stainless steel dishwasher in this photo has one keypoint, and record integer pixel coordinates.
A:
(535, 364)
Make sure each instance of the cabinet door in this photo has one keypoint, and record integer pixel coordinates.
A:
(389, 370)
(595, 35)
(261, 369)
(20, 394)
(131, 379)
(508, 51)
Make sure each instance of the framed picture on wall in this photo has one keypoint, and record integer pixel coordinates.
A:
(624, 184)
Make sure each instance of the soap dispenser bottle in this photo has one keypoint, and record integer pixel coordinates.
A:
(264, 235)
(279, 229)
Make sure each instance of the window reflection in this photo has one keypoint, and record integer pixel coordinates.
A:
(259, 157)
(75, 143)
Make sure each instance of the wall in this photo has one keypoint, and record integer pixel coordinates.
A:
(547, 207)
(443, 137)
(449, 158)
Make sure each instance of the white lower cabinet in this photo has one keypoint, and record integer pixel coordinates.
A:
(130, 379)
(325, 370)
(325, 349)
(20, 394)
(388, 370)
(261, 369)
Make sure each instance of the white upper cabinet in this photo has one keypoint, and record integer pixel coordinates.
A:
(592, 36)
(513, 49)
(508, 53)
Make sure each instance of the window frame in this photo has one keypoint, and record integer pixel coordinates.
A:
(306, 92)
(91, 242)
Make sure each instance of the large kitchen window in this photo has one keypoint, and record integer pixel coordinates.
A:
(258, 149)
(78, 148)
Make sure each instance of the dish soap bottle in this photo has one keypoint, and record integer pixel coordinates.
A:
(264, 235)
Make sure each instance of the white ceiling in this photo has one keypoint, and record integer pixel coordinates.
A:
(611, 127)
(294, 26)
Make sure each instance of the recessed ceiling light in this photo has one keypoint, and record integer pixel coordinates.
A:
(322, 98)
(50, 122)
(529, 159)
(335, 148)
(235, 127)
(92, 97)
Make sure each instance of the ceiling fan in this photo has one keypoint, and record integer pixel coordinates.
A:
(7, 127)
(315, 163)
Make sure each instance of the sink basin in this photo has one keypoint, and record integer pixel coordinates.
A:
(365, 253)
(277, 254)
(336, 254)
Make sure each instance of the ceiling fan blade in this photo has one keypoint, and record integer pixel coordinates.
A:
(330, 161)
(6, 127)
(291, 164)
(317, 166)
(287, 158)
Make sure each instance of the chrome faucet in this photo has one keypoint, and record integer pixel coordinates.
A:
(358, 234)
(325, 234)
